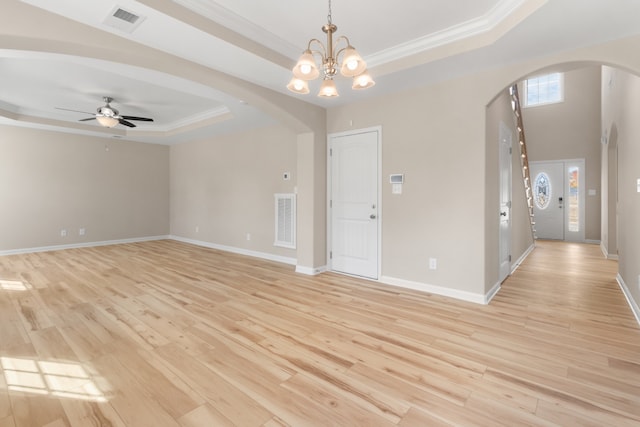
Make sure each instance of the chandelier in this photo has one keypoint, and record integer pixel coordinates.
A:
(351, 65)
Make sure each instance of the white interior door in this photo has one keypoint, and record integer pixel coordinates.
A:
(353, 203)
(559, 199)
(505, 136)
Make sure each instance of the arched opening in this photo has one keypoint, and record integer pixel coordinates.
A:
(599, 98)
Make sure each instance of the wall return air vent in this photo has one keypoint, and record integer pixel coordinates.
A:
(123, 20)
(285, 220)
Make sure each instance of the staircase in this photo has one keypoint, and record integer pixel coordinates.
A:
(524, 159)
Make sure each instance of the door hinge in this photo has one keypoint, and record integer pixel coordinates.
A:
(509, 258)
(330, 254)
(510, 150)
(330, 151)
(330, 203)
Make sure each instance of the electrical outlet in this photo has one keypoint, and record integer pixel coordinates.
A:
(63, 233)
(197, 228)
(248, 236)
(433, 263)
(82, 232)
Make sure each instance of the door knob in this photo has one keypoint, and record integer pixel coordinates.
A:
(503, 214)
(372, 216)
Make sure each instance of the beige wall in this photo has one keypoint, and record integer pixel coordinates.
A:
(436, 135)
(51, 181)
(571, 130)
(437, 142)
(621, 108)
(29, 28)
(225, 186)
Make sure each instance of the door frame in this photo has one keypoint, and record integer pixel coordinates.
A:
(582, 214)
(378, 130)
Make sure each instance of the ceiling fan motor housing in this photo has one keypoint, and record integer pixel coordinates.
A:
(108, 111)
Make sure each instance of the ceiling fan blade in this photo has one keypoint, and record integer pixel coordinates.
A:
(84, 120)
(126, 123)
(75, 111)
(141, 119)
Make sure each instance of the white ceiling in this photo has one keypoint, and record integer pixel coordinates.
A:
(405, 42)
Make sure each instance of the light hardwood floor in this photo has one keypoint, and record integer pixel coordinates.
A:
(167, 334)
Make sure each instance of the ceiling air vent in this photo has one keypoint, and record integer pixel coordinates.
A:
(126, 16)
(123, 20)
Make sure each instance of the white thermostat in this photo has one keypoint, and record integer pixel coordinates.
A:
(396, 178)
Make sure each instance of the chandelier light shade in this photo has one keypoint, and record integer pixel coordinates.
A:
(332, 59)
(363, 81)
(328, 89)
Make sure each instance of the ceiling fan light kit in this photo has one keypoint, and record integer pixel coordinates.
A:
(107, 121)
(352, 65)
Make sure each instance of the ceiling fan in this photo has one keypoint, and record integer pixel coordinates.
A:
(108, 116)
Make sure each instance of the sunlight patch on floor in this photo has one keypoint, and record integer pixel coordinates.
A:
(67, 380)
(13, 285)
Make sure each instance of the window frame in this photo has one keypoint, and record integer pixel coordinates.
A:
(525, 90)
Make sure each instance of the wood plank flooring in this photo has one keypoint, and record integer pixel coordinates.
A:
(168, 334)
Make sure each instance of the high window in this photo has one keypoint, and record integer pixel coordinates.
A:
(541, 90)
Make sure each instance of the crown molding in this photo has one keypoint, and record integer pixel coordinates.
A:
(213, 11)
(466, 30)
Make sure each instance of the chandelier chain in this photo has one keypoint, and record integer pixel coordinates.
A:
(329, 15)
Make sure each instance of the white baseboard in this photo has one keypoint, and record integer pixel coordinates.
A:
(240, 251)
(592, 242)
(438, 290)
(524, 256)
(81, 245)
(606, 253)
(310, 271)
(492, 293)
(627, 294)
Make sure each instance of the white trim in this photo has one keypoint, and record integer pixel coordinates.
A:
(520, 260)
(606, 254)
(492, 293)
(474, 27)
(310, 271)
(241, 25)
(240, 251)
(377, 129)
(627, 294)
(81, 245)
(439, 290)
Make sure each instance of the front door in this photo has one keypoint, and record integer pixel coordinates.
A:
(558, 199)
(354, 203)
